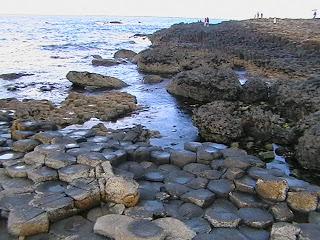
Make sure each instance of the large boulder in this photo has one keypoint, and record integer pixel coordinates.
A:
(105, 62)
(125, 54)
(217, 122)
(206, 84)
(94, 80)
(308, 148)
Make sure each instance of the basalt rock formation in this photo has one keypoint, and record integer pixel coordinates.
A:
(282, 88)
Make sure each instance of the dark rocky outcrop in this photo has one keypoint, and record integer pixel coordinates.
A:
(125, 54)
(206, 84)
(13, 76)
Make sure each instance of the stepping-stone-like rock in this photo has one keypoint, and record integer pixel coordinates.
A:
(86, 194)
(284, 231)
(245, 184)
(255, 217)
(59, 160)
(34, 158)
(172, 207)
(254, 234)
(176, 189)
(196, 168)
(122, 190)
(244, 200)
(220, 217)
(192, 146)
(42, 174)
(47, 137)
(233, 152)
(221, 187)
(168, 168)
(72, 172)
(241, 162)
(7, 157)
(17, 185)
(273, 189)
(121, 227)
(211, 174)
(233, 173)
(190, 210)
(75, 227)
(309, 231)
(206, 154)
(10, 201)
(139, 213)
(227, 234)
(302, 201)
(281, 212)
(49, 148)
(148, 190)
(217, 164)
(18, 170)
(57, 206)
(67, 141)
(25, 145)
(263, 173)
(201, 197)
(175, 229)
(77, 151)
(180, 177)
(154, 176)
(142, 154)
(181, 158)
(19, 135)
(91, 159)
(155, 207)
(51, 187)
(108, 208)
(28, 221)
(198, 225)
(93, 147)
(198, 183)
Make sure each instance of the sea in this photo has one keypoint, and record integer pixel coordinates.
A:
(48, 47)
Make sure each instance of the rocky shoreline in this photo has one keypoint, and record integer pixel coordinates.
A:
(100, 183)
(278, 103)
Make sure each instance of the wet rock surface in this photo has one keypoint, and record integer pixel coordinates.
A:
(152, 193)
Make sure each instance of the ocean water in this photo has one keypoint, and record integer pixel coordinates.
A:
(48, 47)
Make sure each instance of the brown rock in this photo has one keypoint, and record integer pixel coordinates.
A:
(274, 189)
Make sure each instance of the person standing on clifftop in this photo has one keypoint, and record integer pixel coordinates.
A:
(315, 14)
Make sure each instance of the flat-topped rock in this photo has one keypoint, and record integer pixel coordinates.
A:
(34, 158)
(18, 170)
(274, 189)
(51, 187)
(49, 148)
(254, 233)
(120, 227)
(245, 184)
(42, 174)
(227, 234)
(86, 79)
(309, 231)
(192, 146)
(196, 168)
(28, 221)
(222, 217)
(176, 189)
(244, 200)
(302, 201)
(59, 160)
(72, 172)
(47, 137)
(175, 229)
(201, 197)
(24, 145)
(221, 187)
(181, 158)
(198, 225)
(109, 208)
(284, 231)
(207, 154)
(190, 210)
(281, 212)
(255, 217)
(179, 176)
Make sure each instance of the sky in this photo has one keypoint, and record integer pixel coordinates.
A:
(219, 9)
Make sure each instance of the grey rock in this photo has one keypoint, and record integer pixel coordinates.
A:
(154, 176)
(254, 234)
(221, 187)
(245, 184)
(176, 189)
(59, 160)
(244, 200)
(42, 174)
(198, 225)
(51, 187)
(175, 229)
(160, 157)
(211, 174)
(49, 148)
(284, 231)
(24, 145)
(220, 217)
(190, 210)
(314, 217)
(206, 154)
(180, 177)
(201, 197)
(227, 234)
(34, 158)
(281, 212)
(192, 146)
(233, 173)
(109, 208)
(91, 159)
(182, 157)
(196, 168)
(18, 170)
(47, 137)
(309, 231)
(255, 217)
(198, 183)
(70, 173)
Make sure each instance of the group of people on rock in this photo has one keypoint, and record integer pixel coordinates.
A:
(206, 22)
(258, 15)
